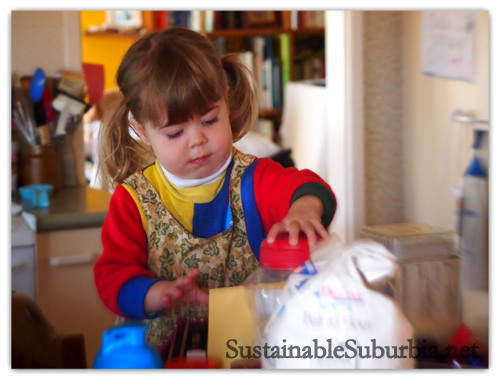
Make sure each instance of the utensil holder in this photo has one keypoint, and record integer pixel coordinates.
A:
(42, 165)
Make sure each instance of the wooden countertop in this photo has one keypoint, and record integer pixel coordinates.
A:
(72, 208)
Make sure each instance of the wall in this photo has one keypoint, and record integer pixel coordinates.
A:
(46, 39)
(428, 104)
(382, 84)
(106, 50)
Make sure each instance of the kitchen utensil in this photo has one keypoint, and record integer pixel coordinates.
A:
(69, 100)
(46, 115)
(23, 115)
(66, 106)
(37, 89)
(47, 104)
(37, 85)
(73, 84)
(20, 125)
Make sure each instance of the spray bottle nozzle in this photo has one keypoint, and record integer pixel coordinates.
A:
(478, 137)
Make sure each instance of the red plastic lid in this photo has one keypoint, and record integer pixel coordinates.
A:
(283, 256)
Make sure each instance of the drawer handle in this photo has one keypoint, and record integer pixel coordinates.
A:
(69, 260)
(18, 265)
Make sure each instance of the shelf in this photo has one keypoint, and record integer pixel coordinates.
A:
(308, 31)
(215, 33)
(113, 33)
(262, 31)
(270, 113)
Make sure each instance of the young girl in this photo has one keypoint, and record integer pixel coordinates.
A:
(193, 219)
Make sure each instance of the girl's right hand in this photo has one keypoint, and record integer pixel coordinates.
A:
(166, 294)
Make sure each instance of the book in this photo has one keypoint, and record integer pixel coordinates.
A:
(294, 20)
(219, 45)
(285, 59)
(160, 20)
(277, 89)
(209, 21)
(265, 127)
(267, 88)
(196, 21)
(268, 72)
(258, 45)
(218, 20)
(286, 19)
(246, 58)
(303, 17)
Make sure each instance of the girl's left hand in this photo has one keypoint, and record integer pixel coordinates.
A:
(304, 215)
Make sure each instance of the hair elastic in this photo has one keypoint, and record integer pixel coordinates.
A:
(131, 128)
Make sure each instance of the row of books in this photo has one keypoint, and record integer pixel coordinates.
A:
(270, 61)
(200, 21)
(309, 59)
(268, 58)
(210, 20)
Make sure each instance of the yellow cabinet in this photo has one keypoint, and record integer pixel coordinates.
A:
(65, 284)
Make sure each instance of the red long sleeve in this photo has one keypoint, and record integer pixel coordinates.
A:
(125, 248)
(274, 187)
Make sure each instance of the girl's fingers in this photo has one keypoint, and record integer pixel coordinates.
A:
(311, 228)
(170, 297)
(319, 229)
(201, 297)
(193, 295)
(188, 279)
(310, 232)
(192, 274)
(294, 229)
(274, 231)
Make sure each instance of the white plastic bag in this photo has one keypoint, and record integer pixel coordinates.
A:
(339, 317)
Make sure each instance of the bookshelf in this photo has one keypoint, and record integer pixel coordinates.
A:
(277, 46)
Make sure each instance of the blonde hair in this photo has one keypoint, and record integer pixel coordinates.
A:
(175, 73)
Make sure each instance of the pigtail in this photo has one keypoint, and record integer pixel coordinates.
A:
(242, 98)
(120, 154)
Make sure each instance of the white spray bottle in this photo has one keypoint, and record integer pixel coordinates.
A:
(472, 210)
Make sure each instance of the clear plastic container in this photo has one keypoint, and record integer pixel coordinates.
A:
(427, 286)
(413, 240)
(265, 285)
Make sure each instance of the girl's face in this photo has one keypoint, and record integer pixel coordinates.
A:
(194, 149)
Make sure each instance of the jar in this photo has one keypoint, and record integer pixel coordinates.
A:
(265, 285)
(64, 147)
(125, 347)
(42, 165)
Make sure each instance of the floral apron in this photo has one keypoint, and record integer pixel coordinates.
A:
(224, 260)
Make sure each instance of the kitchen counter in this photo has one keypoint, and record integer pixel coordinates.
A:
(70, 208)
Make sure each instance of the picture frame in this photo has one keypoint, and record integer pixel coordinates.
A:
(123, 20)
(261, 19)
